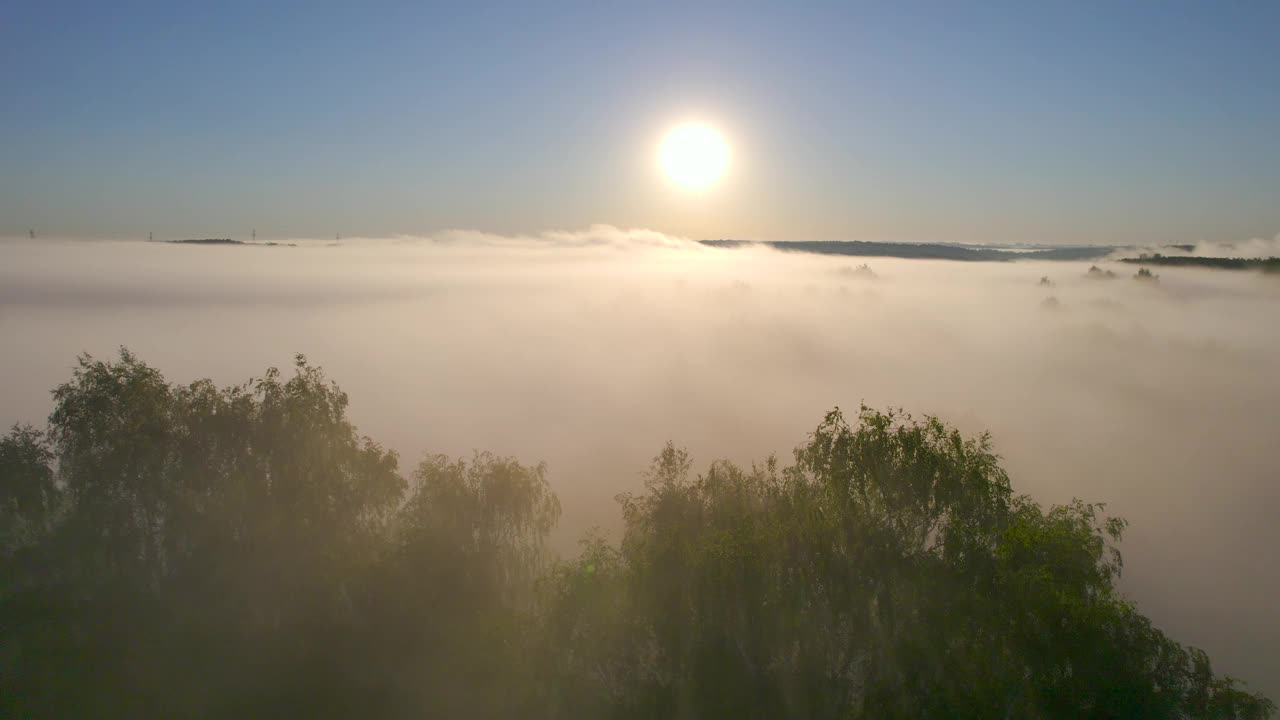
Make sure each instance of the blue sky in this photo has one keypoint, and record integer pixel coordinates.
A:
(999, 121)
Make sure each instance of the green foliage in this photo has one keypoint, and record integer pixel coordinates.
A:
(890, 572)
(29, 498)
(194, 551)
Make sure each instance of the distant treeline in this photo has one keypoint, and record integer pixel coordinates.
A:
(923, 251)
(1271, 264)
(229, 241)
(190, 551)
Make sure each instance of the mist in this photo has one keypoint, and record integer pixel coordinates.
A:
(589, 350)
(1251, 248)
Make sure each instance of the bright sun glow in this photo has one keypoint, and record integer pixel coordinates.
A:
(694, 156)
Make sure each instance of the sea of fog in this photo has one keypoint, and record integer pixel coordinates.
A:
(590, 350)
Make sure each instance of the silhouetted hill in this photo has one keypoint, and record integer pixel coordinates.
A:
(228, 241)
(921, 251)
(1271, 264)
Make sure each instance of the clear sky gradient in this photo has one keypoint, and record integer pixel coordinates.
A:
(973, 122)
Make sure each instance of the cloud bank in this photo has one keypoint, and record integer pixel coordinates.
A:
(1253, 248)
(590, 349)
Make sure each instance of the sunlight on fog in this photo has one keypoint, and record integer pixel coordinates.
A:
(590, 350)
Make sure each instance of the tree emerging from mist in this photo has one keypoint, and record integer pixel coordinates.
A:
(194, 551)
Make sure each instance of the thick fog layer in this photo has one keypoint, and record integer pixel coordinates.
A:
(1253, 248)
(589, 350)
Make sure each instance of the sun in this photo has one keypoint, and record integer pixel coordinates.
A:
(694, 156)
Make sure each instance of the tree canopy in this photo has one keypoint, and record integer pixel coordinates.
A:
(195, 551)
